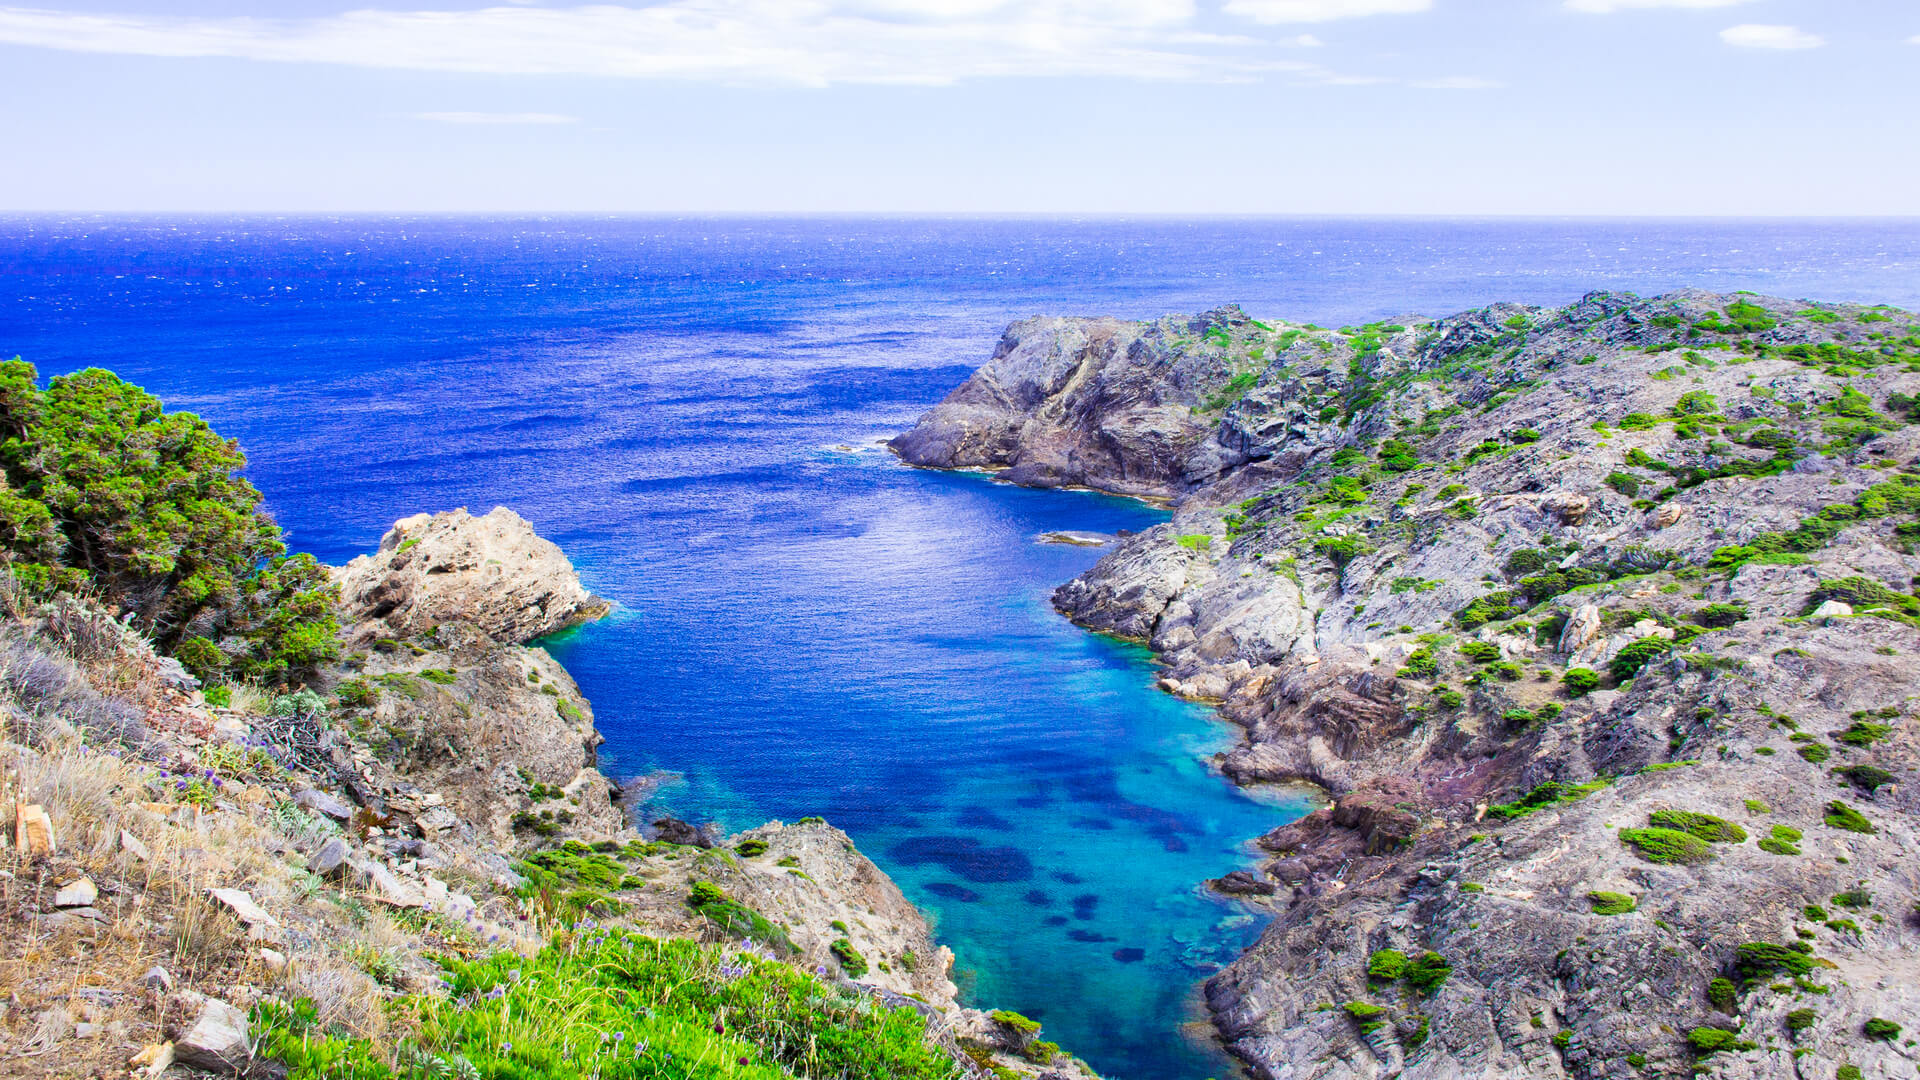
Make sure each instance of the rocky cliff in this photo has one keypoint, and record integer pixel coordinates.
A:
(1596, 623)
(176, 864)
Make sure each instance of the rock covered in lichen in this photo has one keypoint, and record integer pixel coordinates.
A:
(492, 572)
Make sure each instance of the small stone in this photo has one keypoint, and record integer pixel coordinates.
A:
(1831, 608)
(217, 1042)
(132, 845)
(158, 978)
(274, 961)
(331, 859)
(387, 887)
(243, 907)
(32, 830)
(76, 894)
(157, 1058)
(1668, 514)
(86, 1030)
(322, 803)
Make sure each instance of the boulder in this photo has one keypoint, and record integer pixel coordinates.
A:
(320, 802)
(331, 859)
(493, 572)
(217, 1041)
(1242, 883)
(33, 830)
(80, 893)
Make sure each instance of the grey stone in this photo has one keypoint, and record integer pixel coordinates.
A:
(217, 1041)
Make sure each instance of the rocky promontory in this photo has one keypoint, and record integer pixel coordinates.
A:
(264, 881)
(1595, 623)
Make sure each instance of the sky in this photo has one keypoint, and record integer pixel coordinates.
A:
(1420, 107)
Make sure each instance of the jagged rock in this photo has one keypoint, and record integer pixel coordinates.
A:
(33, 830)
(156, 1059)
(331, 859)
(80, 893)
(1832, 608)
(250, 914)
(82, 919)
(217, 1042)
(1242, 883)
(491, 572)
(1668, 514)
(385, 886)
(1569, 507)
(133, 846)
(675, 831)
(320, 802)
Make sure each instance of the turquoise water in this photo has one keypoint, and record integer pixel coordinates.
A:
(899, 670)
(806, 630)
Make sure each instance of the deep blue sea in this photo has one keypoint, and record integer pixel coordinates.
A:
(691, 407)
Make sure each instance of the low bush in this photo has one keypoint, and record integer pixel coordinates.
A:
(621, 1007)
(1883, 1030)
(849, 957)
(1842, 816)
(1580, 681)
(1611, 903)
(1757, 961)
(1425, 973)
(1713, 830)
(1636, 655)
(1551, 793)
(1657, 845)
(1480, 652)
(1386, 965)
(1868, 778)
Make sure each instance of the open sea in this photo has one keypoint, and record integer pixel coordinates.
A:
(691, 409)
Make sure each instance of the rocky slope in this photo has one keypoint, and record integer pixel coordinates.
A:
(176, 863)
(1514, 587)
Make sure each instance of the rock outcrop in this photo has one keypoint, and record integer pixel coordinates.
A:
(1511, 585)
(493, 573)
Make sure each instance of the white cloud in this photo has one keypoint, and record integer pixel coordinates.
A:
(1762, 36)
(1457, 82)
(1608, 7)
(1301, 11)
(496, 118)
(806, 42)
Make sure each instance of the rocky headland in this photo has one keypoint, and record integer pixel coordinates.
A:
(1597, 625)
(182, 871)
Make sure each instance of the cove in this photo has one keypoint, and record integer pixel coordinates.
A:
(887, 659)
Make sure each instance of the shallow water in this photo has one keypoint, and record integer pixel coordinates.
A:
(690, 409)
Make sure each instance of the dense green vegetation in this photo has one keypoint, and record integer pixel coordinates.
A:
(102, 490)
(620, 1006)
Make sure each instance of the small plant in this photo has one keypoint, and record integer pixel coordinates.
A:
(1580, 681)
(1713, 830)
(1723, 993)
(1867, 778)
(1883, 1030)
(751, 847)
(1781, 840)
(1611, 903)
(1366, 1015)
(1670, 846)
(849, 957)
(1707, 1041)
(1636, 655)
(1842, 816)
(1195, 541)
(1426, 972)
(1801, 1019)
(1386, 965)
(1480, 652)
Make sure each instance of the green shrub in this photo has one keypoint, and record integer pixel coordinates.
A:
(441, 676)
(849, 957)
(356, 694)
(751, 847)
(1721, 615)
(1014, 1022)
(1842, 816)
(1883, 1030)
(1636, 655)
(1625, 483)
(1194, 541)
(1863, 733)
(1366, 1015)
(1611, 903)
(1425, 973)
(1713, 830)
(1801, 1019)
(1550, 793)
(1386, 965)
(1658, 845)
(219, 697)
(1420, 665)
(1847, 1072)
(1815, 753)
(1723, 994)
(1580, 681)
(1781, 840)
(1342, 549)
(736, 919)
(1868, 778)
(1480, 652)
(105, 489)
(1711, 1040)
(575, 1010)
(1757, 961)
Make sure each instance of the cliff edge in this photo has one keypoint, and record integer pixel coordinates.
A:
(1596, 623)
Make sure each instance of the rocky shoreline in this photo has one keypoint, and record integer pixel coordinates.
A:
(434, 789)
(1596, 625)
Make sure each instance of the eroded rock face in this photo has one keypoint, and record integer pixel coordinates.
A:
(1416, 531)
(493, 572)
(1095, 402)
